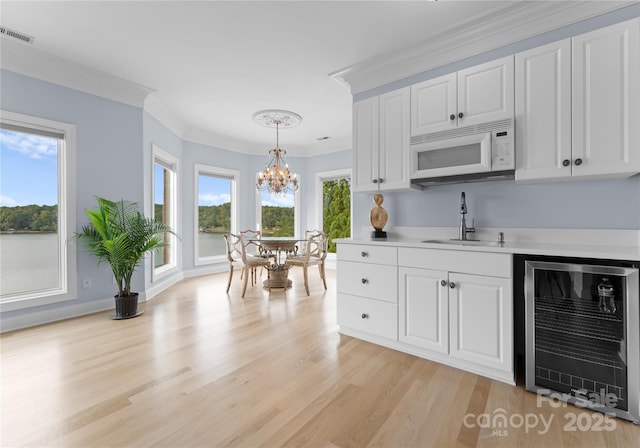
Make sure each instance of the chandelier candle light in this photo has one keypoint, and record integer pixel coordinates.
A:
(276, 176)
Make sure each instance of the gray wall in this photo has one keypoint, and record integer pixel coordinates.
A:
(598, 204)
(109, 163)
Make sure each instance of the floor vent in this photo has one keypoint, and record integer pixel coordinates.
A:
(8, 32)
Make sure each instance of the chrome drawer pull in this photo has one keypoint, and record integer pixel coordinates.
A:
(365, 281)
(364, 254)
(443, 282)
(365, 316)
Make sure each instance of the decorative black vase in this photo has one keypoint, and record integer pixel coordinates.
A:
(126, 307)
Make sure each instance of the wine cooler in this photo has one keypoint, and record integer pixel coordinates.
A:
(582, 335)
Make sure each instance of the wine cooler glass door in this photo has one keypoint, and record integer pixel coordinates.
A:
(582, 335)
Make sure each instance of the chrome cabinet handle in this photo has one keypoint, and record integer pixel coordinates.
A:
(443, 282)
(577, 162)
(452, 117)
(364, 281)
(460, 115)
(380, 180)
(365, 316)
(375, 181)
(566, 162)
(364, 254)
(452, 285)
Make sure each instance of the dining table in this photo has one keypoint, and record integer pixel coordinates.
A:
(282, 247)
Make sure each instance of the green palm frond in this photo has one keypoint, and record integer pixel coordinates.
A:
(119, 234)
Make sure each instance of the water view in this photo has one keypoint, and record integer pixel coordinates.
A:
(211, 244)
(28, 262)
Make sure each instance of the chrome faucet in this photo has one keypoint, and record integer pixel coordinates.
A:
(463, 230)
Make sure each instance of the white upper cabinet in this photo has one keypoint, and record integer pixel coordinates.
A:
(381, 143)
(434, 105)
(606, 101)
(543, 111)
(479, 94)
(366, 115)
(577, 106)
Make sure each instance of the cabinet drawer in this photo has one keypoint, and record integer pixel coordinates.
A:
(480, 263)
(371, 316)
(368, 254)
(373, 281)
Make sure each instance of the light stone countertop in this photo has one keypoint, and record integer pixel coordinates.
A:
(580, 250)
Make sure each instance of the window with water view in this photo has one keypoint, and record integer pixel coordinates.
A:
(165, 206)
(33, 213)
(216, 210)
(278, 214)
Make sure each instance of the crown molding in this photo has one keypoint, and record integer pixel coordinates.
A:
(29, 61)
(202, 137)
(504, 25)
(206, 138)
(158, 109)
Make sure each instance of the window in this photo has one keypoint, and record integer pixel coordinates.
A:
(216, 211)
(165, 207)
(334, 204)
(37, 211)
(277, 215)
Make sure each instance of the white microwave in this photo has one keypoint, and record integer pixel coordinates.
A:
(465, 154)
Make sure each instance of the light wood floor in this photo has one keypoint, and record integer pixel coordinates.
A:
(200, 368)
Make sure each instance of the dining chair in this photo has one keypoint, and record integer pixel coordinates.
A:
(315, 254)
(307, 233)
(251, 263)
(254, 247)
(234, 255)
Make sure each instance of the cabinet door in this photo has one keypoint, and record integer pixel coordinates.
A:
(543, 112)
(606, 100)
(424, 309)
(394, 140)
(481, 320)
(365, 144)
(433, 102)
(486, 92)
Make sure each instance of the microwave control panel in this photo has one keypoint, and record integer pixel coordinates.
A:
(502, 156)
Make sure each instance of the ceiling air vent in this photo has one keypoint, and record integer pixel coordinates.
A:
(8, 32)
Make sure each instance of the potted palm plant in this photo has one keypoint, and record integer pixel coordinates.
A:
(119, 234)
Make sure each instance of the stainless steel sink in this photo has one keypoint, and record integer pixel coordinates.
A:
(463, 242)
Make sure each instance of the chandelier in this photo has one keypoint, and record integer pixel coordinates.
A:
(276, 177)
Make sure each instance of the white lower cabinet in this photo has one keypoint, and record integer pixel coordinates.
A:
(371, 316)
(481, 320)
(424, 308)
(367, 285)
(452, 306)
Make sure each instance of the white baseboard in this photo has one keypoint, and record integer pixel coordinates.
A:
(158, 287)
(41, 316)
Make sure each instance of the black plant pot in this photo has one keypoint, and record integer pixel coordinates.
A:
(126, 307)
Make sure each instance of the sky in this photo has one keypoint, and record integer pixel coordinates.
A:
(28, 169)
(29, 175)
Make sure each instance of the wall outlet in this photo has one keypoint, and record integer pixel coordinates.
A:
(86, 283)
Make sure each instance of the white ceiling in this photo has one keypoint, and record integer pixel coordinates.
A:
(215, 63)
